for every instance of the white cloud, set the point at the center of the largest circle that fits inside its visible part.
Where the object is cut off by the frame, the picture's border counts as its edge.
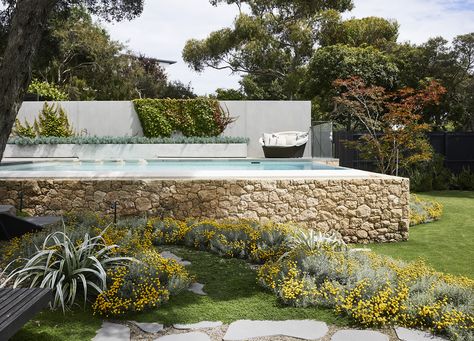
(165, 25)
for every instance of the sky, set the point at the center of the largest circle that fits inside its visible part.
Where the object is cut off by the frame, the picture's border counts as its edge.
(165, 25)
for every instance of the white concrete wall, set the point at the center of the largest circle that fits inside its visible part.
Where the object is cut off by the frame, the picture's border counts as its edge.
(118, 118)
(258, 117)
(94, 118)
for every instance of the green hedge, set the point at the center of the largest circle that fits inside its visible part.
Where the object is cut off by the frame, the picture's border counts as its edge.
(193, 117)
(125, 140)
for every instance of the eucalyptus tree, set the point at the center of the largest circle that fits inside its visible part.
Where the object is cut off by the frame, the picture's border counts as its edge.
(270, 42)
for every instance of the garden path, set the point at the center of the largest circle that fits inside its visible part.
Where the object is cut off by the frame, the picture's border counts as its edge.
(289, 330)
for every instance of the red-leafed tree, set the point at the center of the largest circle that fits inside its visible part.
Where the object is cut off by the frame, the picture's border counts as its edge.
(393, 135)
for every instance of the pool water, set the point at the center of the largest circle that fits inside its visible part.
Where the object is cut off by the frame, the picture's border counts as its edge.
(167, 165)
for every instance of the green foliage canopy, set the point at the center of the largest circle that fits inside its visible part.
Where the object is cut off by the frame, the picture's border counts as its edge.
(271, 44)
(340, 62)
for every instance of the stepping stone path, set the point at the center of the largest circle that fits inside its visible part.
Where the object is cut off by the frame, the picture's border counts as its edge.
(302, 329)
(194, 336)
(358, 335)
(148, 327)
(170, 255)
(248, 329)
(405, 334)
(112, 332)
(199, 325)
(197, 289)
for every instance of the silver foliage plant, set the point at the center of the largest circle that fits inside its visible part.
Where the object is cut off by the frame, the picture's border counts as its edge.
(71, 269)
(311, 240)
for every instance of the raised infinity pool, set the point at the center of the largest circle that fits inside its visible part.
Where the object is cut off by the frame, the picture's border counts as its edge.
(362, 206)
(245, 168)
(158, 165)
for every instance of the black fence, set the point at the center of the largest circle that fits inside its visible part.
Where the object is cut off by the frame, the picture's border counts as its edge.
(457, 149)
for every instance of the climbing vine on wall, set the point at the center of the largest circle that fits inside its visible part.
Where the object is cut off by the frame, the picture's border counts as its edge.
(191, 117)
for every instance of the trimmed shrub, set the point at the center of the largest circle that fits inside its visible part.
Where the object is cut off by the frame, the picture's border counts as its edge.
(192, 117)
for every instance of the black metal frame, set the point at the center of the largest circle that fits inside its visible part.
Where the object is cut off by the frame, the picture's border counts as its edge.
(284, 151)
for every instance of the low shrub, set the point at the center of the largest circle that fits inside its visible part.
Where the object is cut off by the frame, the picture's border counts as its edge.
(244, 239)
(432, 175)
(373, 290)
(142, 285)
(424, 211)
(464, 180)
(26, 141)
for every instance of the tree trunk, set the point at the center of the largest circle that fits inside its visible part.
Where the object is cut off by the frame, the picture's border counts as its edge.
(29, 20)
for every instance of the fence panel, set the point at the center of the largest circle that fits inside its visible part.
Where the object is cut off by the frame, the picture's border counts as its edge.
(321, 139)
(456, 147)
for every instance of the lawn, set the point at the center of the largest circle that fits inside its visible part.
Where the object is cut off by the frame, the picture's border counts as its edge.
(447, 244)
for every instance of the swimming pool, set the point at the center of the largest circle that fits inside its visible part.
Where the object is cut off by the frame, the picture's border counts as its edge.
(172, 168)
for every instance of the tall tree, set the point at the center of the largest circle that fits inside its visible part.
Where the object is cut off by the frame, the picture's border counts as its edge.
(25, 21)
(341, 62)
(271, 44)
(450, 64)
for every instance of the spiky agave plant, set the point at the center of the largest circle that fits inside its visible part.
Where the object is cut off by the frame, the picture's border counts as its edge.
(71, 269)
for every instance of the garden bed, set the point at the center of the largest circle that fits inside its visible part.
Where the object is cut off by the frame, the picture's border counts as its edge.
(127, 151)
(92, 148)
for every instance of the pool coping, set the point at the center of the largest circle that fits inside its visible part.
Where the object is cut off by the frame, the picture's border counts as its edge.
(320, 174)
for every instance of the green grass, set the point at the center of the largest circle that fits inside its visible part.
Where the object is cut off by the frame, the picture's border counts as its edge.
(54, 326)
(233, 293)
(447, 244)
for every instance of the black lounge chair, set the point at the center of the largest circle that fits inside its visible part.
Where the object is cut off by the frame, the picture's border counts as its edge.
(18, 306)
(12, 226)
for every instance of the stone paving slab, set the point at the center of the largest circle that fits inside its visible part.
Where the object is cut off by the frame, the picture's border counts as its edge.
(199, 325)
(194, 336)
(406, 334)
(112, 332)
(197, 288)
(302, 329)
(149, 327)
(171, 255)
(358, 335)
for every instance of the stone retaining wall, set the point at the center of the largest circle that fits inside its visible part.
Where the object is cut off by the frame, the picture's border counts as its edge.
(362, 210)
